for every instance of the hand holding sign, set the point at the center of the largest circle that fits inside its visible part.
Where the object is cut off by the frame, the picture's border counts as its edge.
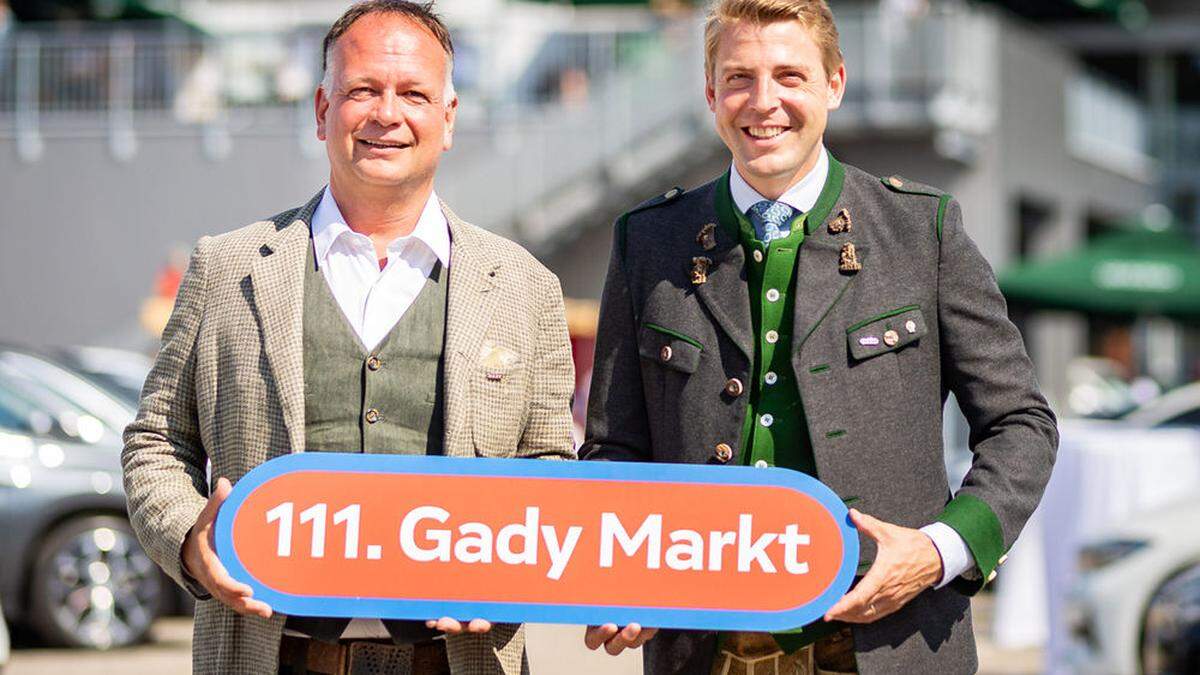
(907, 563)
(201, 562)
(617, 640)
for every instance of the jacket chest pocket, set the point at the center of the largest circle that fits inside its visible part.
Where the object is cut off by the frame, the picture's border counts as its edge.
(669, 348)
(498, 407)
(885, 333)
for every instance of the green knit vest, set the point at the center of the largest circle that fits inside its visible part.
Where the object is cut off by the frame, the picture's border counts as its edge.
(776, 431)
(387, 400)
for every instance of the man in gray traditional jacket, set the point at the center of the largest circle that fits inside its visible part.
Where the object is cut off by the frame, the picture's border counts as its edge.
(370, 319)
(798, 312)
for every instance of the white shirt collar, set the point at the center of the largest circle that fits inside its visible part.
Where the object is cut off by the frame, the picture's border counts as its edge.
(802, 196)
(432, 228)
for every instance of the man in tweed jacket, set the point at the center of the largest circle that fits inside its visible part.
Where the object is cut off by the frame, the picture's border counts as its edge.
(272, 317)
(797, 312)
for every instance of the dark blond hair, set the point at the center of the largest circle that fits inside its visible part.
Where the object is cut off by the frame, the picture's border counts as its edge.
(813, 14)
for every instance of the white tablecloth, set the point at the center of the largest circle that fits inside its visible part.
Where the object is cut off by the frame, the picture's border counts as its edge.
(1106, 473)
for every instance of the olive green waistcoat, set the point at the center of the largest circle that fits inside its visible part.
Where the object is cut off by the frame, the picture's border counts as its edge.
(388, 400)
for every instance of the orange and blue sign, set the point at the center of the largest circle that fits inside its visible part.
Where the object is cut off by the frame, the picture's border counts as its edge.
(666, 545)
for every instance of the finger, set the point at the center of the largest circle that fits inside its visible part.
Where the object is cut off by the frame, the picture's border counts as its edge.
(644, 637)
(853, 604)
(448, 625)
(251, 607)
(479, 626)
(623, 639)
(218, 578)
(595, 636)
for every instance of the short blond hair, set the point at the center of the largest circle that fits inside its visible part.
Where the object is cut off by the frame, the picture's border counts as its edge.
(815, 15)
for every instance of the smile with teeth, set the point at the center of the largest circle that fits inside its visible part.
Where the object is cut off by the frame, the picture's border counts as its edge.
(382, 144)
(765, 132)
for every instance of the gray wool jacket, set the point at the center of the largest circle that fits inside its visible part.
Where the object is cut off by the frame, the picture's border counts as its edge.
(874, 408)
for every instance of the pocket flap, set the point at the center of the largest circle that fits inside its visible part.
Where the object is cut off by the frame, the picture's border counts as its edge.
(885, 332)
(669, 348)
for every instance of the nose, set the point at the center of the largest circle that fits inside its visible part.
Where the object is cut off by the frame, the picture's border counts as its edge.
(763, 97)
(388, 110)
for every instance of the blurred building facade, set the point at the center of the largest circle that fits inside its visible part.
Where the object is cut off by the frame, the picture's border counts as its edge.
(122, 142)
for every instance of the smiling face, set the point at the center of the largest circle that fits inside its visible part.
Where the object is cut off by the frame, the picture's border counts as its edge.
(771, 96)
(385, 119)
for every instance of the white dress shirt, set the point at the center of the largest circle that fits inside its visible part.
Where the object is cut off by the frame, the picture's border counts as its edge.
(802, 196)
(956, 557)
(373, 300)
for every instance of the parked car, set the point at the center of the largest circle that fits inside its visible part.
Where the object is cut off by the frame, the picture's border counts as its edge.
(1177, 408)
(1136, 605)
(119, 371)
(70, 567)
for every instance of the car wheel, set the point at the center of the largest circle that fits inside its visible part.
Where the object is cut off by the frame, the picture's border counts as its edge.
(1171, 627)
(93, 585)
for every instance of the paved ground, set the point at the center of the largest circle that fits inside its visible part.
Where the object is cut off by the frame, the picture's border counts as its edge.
(549, 648)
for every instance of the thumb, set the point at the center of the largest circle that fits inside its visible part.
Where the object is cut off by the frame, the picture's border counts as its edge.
(867, 524)
(224, 487)
(219, 494)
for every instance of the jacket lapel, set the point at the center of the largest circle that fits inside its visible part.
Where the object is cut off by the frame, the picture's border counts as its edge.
(277, 280)
(724, 294)
(820, 282)
(469, 305)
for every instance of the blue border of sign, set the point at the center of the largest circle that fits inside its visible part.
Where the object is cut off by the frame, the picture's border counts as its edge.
(312, 605)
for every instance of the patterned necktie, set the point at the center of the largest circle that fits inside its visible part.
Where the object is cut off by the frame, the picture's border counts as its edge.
(771, 220)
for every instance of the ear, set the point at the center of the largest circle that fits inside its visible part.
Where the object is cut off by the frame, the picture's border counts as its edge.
(710, 92)
(837, 87)
(321, 108)
(451, 115)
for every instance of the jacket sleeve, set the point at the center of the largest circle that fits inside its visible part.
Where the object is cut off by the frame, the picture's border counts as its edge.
(617, 424)
(547, 433)
(1014, 436)
(164, 460)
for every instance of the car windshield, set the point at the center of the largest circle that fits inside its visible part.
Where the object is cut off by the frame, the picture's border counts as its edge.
(41, 407)
(65, 387)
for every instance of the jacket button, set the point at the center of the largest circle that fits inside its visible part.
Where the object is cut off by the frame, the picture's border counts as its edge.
(724, 453)
(373, 363)
(734, 387)
(665, 353)
(372, 416)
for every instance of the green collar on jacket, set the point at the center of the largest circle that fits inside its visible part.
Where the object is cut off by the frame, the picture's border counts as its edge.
(735, 222)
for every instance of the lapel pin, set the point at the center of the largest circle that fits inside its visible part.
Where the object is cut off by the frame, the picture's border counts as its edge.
(700, 270)
(707, 237)
(869, 341)
(848, 259)
(890, 338)
(910, 326)
(841, 223)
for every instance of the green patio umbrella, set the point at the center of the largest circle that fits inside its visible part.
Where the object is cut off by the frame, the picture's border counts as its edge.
(1134, 271)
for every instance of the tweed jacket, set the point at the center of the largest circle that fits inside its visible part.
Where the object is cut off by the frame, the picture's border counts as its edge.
(874, 406)
(228, 388)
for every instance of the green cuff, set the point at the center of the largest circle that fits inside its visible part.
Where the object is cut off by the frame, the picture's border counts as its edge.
(979, 527)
